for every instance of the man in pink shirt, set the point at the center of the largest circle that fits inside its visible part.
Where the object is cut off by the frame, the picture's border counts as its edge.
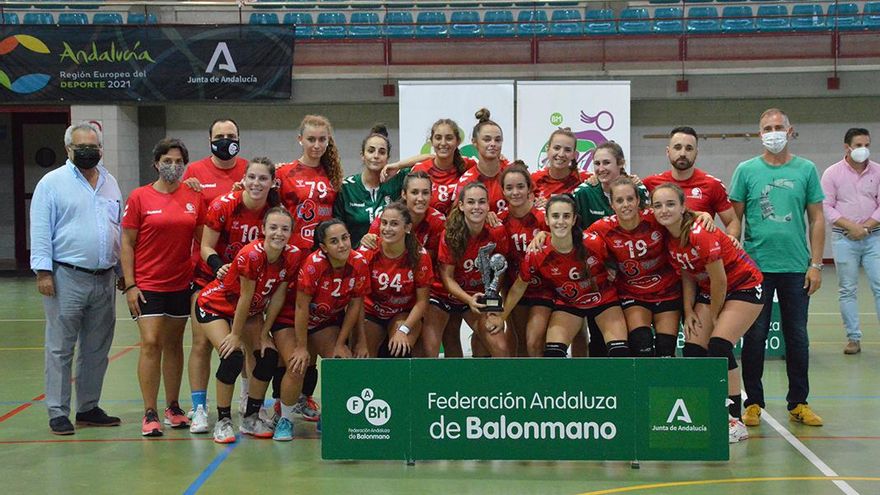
(852, 207)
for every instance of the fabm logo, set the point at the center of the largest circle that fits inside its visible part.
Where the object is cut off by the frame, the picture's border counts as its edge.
(587, 139)
(28, 83)
(376, 411)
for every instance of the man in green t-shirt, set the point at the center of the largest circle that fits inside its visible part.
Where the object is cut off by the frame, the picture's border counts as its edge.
(774, 190)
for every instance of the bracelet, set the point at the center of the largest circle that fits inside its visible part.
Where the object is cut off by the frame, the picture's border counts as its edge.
(132, 286)
(817, 266)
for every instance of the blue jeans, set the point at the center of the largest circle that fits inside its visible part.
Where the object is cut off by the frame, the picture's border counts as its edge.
(793, 305)
(849, 255)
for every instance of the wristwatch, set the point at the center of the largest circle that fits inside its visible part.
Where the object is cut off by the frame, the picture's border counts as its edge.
(817, 266)
(404, 329)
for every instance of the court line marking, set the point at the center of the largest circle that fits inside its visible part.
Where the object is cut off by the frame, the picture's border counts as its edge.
(672, 484)
(43, 396)
(208, 471)
(806, 452)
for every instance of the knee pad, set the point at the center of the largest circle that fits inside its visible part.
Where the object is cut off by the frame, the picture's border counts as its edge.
(265, 364)
(665, 345)
(618, 348)
(719, 347)
(555, 350)
(641, 342)
(693, 350)
(230, 368)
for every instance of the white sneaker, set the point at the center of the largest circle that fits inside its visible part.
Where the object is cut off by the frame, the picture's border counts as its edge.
(736, 431)
(199, 422)
(223, 431)
(254, 426)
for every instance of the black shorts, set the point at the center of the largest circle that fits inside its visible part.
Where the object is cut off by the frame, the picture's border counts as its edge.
(278, 325)
(753, 295)
(195, 288)
(170, 304)
(536, 301)
(589, 312)
(382, 322)
(205, 316)
(447, 306)
(654, 307)
(335, 322)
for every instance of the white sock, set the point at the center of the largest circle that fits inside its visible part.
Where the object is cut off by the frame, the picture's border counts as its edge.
(244, 386)
(286, 411)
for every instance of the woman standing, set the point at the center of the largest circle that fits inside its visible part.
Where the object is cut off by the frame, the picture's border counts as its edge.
(721, 288)
(571, 267)
(561, 174)
(522, 221)
(649, 288)
(231, 313)
(400, 278)
(487, 138)
(158, 225)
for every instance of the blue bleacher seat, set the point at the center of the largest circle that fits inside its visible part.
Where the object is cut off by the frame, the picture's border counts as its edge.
(72, 18)
(116, 18)
(465, 23)
(634, 21)
(532, 22)
(668, 20)
(737, 19)
(600, 21)
(807, 18)
(566, 22)
(773, 18)
(703, 20)
(871, 15)
(141, 18)
(305, 25)
(260, 18)
(39, 18)
(498, 23)
(399, 25)
(431, 24)
(330, 25)
(364, 25)
(844, 17)
(10, 18)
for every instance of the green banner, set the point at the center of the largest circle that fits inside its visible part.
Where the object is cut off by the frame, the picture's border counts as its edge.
(525, 409)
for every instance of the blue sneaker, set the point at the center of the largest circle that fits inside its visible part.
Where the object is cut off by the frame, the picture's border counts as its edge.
(283, 431)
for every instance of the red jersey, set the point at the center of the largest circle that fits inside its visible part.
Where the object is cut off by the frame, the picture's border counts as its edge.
(466, 274)
(443, 183)
(546, 186)
(565, 277)
(702, 192)
(493, 185)
(521, 231)
(215, 183)
(237, 226)
(427, 232)
(165, 225)
(332, 288)
(643, 269)
(703, 248)
(393, 283)
(221, 296)
(309, 195)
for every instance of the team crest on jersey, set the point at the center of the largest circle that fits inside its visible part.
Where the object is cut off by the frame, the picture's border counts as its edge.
(190, 208)
(617, 243)
(696, 193)
(592, 260)
(656, 236)
(554, 270)
(694, 251)
(282, 274)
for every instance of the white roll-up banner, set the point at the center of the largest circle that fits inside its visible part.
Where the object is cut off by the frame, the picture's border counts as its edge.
(424, 102)
(596, 111)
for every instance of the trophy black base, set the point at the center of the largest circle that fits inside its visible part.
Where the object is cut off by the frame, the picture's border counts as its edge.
(493, 304)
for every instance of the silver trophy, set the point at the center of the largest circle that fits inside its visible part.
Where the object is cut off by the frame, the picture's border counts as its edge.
(491, 269)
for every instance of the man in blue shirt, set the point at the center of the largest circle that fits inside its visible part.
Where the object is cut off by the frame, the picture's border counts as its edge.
(75, 238)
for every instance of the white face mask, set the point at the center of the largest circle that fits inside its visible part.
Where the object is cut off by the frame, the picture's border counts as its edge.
(860, 155)
(774, 141)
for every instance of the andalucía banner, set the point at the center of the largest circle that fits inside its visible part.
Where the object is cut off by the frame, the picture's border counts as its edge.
(144, 63)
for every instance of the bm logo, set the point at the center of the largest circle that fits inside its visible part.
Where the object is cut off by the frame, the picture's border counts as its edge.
(376, 411)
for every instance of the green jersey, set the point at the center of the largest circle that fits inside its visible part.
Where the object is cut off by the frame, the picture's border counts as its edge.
(775, 199)
(592, 203)
(358, 206)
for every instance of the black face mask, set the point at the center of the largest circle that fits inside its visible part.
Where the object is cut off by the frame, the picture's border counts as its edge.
(86, 158)
(224, 149)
